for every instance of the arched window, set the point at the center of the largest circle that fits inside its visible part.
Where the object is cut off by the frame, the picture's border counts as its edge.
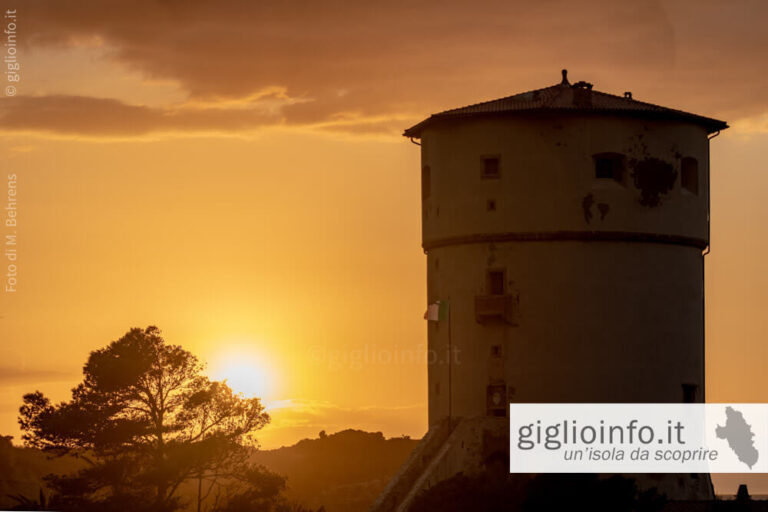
(689, 175)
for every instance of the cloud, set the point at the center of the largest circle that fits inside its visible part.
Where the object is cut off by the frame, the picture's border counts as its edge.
(108, 117)
(402, 59)
(14, 376)
(103, 117)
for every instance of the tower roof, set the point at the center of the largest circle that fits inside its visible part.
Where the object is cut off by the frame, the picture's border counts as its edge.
(567, 98)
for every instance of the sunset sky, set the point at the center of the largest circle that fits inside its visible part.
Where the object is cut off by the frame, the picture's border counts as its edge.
(233, 172)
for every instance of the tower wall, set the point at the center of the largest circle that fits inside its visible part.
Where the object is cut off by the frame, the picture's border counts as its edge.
(602, 278)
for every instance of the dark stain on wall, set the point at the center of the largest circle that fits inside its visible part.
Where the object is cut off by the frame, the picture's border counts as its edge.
(654, 178)
(603, 208)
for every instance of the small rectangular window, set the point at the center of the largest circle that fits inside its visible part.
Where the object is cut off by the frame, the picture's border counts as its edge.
(426, 182)
(609, 166)
(491, 167)
(689, 175)
(495, 282)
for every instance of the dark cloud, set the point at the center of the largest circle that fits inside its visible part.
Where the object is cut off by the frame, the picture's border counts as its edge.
(411, 58)
(14, 375)
(107, 117)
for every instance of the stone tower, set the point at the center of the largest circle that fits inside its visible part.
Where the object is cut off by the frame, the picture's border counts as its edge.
(565, 229)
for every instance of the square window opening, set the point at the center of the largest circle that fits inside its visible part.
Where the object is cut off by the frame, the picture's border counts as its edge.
(609, 166)
(495, 282)
(491, 167)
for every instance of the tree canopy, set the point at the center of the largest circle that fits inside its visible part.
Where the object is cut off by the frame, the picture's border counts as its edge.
(147, 419)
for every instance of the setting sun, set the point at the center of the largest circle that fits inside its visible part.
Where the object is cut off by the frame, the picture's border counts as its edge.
(244, 370)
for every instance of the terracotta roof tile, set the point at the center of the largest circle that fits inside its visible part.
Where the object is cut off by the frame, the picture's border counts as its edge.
(568, 98)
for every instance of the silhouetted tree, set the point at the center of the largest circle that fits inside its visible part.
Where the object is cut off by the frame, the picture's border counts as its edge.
(146, 420)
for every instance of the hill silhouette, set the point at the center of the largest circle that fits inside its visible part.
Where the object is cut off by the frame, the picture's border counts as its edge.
(344, 471)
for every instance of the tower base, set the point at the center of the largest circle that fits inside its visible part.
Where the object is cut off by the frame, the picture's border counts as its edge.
(474, 445)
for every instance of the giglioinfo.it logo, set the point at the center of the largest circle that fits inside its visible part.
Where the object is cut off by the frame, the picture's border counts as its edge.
(638, 438)
(740, 437)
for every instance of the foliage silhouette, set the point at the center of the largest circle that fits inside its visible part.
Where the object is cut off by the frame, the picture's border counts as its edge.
(146, 420)
(25, 503)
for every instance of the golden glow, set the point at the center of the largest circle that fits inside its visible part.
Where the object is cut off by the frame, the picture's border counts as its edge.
(274, 251)
(245, 371)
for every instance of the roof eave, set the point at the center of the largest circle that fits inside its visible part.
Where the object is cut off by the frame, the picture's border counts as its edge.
(414, 132)
(712, 125)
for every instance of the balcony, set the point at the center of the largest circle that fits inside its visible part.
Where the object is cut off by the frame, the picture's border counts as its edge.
(496, 308)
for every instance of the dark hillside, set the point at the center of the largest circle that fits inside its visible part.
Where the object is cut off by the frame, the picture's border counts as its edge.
(344, 471)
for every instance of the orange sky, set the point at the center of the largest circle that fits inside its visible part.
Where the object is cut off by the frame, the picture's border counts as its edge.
(233, 173)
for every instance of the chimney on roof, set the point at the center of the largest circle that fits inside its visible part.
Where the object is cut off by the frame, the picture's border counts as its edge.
(582, 94)
(565, 77)
(628, 95)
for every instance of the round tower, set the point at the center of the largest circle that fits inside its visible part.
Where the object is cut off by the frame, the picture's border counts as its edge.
(565, 231)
